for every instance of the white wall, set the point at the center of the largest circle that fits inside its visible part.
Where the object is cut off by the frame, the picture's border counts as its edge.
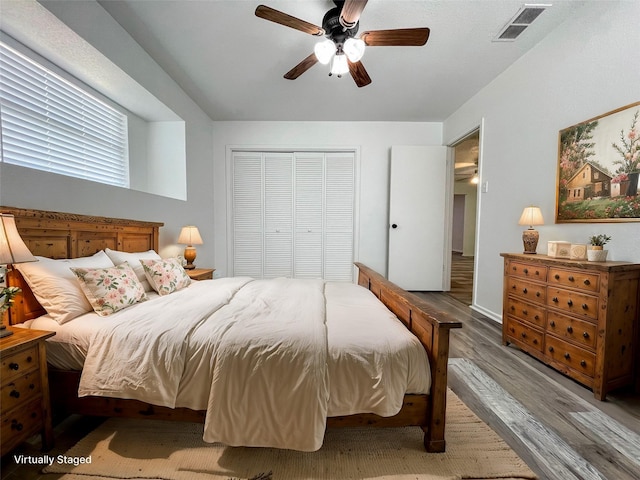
(26, 188)
(374, 139)
(587, 67)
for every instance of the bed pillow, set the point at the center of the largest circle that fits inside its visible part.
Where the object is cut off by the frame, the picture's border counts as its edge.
(165, 276)
(110, 289)
(56, 287)
(133, 259)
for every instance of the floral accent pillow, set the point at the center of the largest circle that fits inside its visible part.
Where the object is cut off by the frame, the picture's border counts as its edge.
(165, 276)
(110, 289)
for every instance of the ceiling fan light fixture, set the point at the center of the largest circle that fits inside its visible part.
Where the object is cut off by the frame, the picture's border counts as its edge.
(339, 66)
(324, 51)
(354, 49)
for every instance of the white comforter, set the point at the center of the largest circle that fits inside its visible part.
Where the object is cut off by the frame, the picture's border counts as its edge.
(268, 359)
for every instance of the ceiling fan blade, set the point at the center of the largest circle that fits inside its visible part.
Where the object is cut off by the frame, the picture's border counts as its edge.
(359, 74)
(277, 16)
(302, 67)
(351, 11)
(403, 37)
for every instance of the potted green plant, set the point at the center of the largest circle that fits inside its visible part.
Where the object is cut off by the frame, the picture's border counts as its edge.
(596, 251)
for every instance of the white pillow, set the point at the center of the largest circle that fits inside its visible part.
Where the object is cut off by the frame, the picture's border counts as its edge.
(110, 289)
(56, 287)
(133, 259)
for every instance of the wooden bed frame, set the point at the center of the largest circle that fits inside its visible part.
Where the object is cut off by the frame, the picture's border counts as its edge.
(64, 235)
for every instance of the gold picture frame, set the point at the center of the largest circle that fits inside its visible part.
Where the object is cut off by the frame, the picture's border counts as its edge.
(598, 169)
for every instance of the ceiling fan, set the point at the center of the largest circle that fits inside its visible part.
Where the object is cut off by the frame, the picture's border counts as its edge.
(342, 48)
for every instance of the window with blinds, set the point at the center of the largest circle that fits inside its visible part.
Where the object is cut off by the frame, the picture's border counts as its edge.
(50, 124)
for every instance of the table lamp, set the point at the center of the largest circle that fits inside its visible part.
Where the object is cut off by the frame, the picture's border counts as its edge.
(531, 216)
(12, 250)
(190, 236)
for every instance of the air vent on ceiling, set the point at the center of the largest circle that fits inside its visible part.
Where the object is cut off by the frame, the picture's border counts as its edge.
(520, 21)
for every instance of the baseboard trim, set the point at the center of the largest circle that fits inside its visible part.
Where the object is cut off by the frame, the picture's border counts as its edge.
(496, 317)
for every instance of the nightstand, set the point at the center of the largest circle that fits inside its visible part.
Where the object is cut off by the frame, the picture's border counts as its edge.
(26, 408)
(201, 273)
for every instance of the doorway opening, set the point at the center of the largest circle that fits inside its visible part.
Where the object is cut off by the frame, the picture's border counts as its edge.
(464, 214)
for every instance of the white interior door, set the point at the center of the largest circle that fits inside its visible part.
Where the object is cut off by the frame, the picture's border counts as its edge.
(417, 207)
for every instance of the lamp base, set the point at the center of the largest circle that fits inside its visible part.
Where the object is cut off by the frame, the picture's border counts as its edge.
(530, 240)
(4, 332)
(190, 256)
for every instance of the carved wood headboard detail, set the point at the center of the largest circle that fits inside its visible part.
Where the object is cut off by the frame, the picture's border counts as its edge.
(69, 235)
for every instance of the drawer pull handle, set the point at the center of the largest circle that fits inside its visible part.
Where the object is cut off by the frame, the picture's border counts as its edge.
(14, 394)
(537, 317)
(524, 335)
(14, 366)
(29, 359)
(585, 306)
(570, 278)
(570, 303)
(555, 299)
(553, 324)
(524, 312)
(551, 349)
(537, 294)
(583, 363)
(535, 341)
(556, 276)
(585, 334)
(567, 356)
(587, 282)
(526, 271)
(524, 290)
(570, 329)
(513, 308)
(16, 426)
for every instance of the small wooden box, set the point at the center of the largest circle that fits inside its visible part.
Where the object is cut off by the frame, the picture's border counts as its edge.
(557, 249)
(578, 251)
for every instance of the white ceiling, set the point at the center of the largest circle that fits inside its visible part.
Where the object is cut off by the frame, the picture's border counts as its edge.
(232, 63)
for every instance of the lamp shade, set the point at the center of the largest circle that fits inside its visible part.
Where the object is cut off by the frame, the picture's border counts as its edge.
(12, 248)
(190, 236)
(531, 216)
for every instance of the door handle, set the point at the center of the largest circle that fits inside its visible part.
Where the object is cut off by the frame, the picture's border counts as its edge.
(393, 225)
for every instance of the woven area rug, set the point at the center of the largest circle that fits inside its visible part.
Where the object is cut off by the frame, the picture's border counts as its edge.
(149, 449)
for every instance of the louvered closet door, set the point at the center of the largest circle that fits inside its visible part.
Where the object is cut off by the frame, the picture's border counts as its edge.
(248, 214)
(309, 214)
(278, 215)
(339, 207)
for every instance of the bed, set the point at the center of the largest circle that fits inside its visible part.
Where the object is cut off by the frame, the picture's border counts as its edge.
(57, 235)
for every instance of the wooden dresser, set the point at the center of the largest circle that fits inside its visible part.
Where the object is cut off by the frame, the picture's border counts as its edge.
(25, 388)
(581, 318)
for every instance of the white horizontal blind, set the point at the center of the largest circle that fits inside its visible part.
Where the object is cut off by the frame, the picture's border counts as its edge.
(50, 124)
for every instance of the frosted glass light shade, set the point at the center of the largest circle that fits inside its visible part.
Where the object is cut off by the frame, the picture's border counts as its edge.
(339, 66)
(12, 248)
(354, 49)
(324, 51)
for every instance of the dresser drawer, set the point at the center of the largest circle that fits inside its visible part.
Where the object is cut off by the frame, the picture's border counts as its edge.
(19, 363)
(527, 270)
(20, 390)
(519, 332)
(577, 303)
(573, 278)
(21, 423)
(527, 290)
(573, 357)
(569, 328)
(527, 312)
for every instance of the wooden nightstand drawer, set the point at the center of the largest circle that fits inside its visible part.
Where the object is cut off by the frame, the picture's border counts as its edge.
(526, 270)
(579, 304)
(21, 423)
(20, 390)
(19, 363)
(527, 312)
(575, 279)
(569, 328)
(571, 356)
(527, 290)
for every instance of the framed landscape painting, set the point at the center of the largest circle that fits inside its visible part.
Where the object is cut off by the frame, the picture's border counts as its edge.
(598, 169)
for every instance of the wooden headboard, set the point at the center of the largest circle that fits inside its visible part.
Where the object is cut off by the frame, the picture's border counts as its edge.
(68, 235)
